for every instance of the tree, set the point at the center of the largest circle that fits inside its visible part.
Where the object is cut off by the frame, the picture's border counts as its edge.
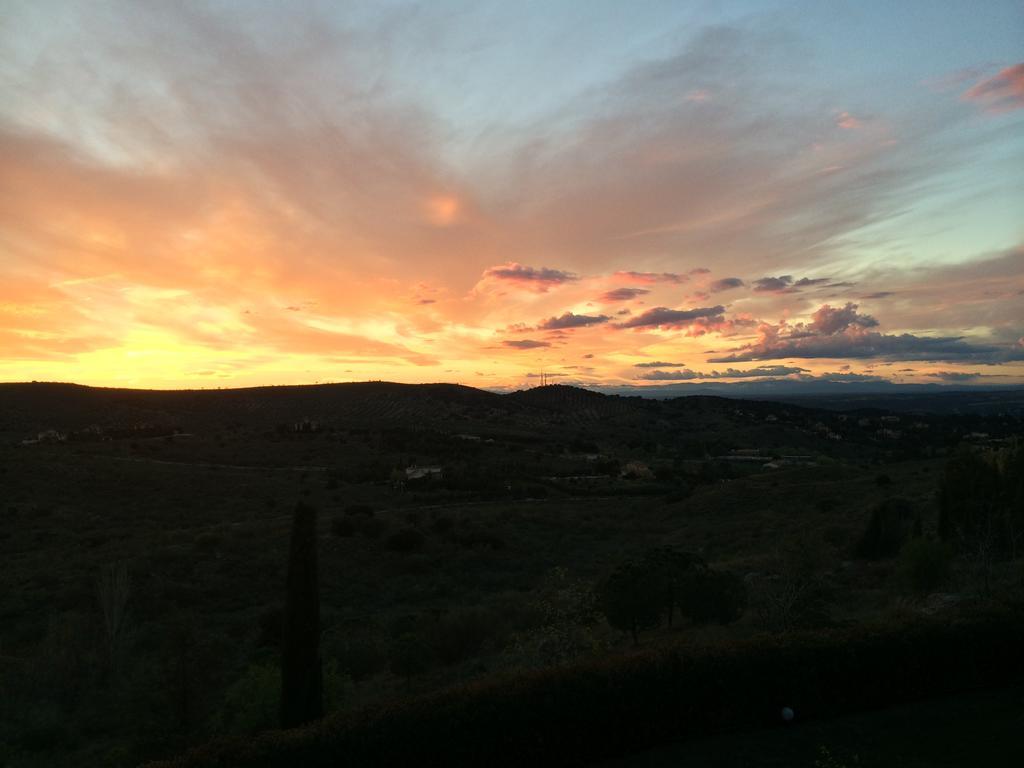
(796, 593)
(112, 590)
(891, 524)
(968, 497)
(925, 564)
(301, 669)
(981, 504)
(708, 595)
(410, 656)
(630, 598)
(670, 569)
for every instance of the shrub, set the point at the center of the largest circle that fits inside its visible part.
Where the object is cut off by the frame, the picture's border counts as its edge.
(670, 569)
(362, 658)
(708, 595)
(599, 710)
(404, 625)
(891, 524)
(406, 540)
(795, 595)
(459, 636)
(372, 527)
(252, 702)
(208, 542)
(926, 564)
(441, 525)
(981, 502)
(473, 539)
(631, 598)
(271, 626)
(567, 610)
(359, 510)
(342, 526)
(410, 656)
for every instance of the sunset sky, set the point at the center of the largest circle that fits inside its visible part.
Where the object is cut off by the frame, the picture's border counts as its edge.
(238, 193)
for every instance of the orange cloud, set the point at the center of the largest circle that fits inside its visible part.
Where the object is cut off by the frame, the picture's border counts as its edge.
(161, 228)
(1003, 92)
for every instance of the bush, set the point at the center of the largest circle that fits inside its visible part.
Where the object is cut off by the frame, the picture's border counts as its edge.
(362, 658)
(441, 525)
(671, 569)
(252, 703)
(359, 510)
(710, 595)
(271, 627)
(208, 542)
(372, 527)
(891, 524)
(410, 656)
(459, 636)
(796, 594)
(631, 598)
(342, 526)
(981, 502)
(473, 539)
(406, 540)
(926, 564)
(598, 710)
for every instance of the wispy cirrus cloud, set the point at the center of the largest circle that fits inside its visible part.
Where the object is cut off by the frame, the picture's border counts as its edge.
(173, 176)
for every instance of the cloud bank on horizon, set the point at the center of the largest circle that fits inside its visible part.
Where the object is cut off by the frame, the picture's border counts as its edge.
(204, 194)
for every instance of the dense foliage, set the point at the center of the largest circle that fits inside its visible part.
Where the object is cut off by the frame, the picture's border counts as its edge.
(600, 709)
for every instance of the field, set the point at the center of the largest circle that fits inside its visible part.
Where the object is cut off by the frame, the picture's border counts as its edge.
(424, 583)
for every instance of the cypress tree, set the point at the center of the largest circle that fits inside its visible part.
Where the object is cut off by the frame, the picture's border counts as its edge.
(301, 671)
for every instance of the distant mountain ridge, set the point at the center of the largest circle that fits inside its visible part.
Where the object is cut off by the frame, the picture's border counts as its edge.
(38, 405)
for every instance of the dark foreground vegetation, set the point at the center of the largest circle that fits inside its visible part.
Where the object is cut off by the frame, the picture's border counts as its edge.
(586, 712)
(454, 575)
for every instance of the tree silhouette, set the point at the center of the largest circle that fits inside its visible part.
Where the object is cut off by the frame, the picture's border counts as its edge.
(630, 598)
(670, 569)
(981, 502)
(301, 670)
(891, 525)
(708, 595)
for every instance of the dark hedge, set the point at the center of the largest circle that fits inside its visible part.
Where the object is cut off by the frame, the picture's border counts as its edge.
(576, 714)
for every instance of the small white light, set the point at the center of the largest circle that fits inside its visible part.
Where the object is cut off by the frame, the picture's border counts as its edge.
(787, 714)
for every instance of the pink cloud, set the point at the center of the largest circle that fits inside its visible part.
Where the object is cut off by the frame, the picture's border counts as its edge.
(1003, 92)
(848, 122)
